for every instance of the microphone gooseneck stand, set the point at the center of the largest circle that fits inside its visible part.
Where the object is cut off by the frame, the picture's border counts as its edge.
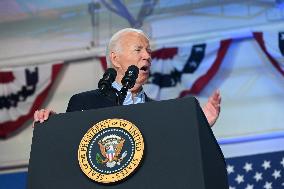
(121, 95)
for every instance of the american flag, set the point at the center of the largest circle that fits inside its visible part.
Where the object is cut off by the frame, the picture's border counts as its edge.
(261, 171)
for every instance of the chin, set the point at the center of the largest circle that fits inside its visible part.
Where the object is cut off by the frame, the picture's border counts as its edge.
(142, 80)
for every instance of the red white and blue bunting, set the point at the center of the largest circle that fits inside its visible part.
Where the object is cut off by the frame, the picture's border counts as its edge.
(175, 72)
(272, 43)
(22, 91)
(183, 70)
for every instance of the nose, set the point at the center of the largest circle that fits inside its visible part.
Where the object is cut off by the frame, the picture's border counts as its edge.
(147, 55)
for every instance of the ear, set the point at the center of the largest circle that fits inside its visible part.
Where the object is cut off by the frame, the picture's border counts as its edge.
(114, 59)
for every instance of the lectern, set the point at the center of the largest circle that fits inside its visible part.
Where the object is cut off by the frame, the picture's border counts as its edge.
(180, 150)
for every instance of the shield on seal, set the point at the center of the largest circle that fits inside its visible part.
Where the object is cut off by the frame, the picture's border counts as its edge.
(110, 153)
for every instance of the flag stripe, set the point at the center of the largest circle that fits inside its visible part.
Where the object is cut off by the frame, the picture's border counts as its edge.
(259, 38)
(203, 80)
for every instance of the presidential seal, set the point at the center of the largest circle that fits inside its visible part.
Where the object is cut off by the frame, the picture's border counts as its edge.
(111, 150)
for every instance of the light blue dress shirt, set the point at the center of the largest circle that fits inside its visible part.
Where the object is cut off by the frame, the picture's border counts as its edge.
(139, 98)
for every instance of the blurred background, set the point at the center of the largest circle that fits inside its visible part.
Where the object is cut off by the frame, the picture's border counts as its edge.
(50, 50)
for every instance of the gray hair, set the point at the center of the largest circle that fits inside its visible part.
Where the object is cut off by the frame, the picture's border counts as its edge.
(114, 43)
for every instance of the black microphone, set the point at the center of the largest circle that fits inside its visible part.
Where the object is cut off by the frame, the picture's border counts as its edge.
(128, 81)
(130, 77)
(105, 83)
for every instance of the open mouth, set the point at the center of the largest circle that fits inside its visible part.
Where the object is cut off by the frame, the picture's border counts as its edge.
(144, 68)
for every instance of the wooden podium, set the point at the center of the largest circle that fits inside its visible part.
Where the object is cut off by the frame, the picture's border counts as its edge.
(180, 149)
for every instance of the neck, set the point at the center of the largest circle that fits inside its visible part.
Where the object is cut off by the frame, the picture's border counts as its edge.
(118, 79)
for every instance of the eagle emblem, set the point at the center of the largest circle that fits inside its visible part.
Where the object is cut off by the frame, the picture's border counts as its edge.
(111, 150)
(111, 147)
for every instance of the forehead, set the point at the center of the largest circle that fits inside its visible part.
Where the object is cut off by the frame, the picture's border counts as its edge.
(134, 39)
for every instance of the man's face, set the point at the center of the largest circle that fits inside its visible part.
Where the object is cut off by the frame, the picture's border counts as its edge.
(134, 50)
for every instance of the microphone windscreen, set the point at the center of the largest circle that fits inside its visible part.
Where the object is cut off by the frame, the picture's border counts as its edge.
(111, 74)
(130, 76)
(105, 83)
(133, 69)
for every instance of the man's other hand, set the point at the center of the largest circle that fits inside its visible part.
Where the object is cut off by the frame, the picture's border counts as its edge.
(42, 115)
(212, 108)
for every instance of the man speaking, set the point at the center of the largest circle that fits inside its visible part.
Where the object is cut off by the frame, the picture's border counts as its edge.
(127, 47)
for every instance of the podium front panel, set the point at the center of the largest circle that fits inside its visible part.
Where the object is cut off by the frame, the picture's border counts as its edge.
(172, 155)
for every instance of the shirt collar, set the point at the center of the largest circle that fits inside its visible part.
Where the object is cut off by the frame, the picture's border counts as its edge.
(139, 98)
